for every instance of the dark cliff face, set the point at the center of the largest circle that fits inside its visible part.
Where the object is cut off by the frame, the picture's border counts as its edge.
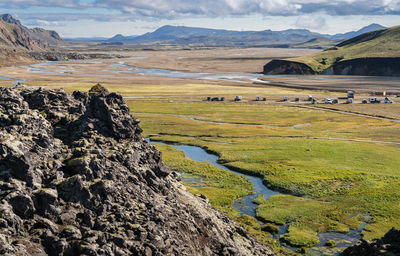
(359, 67)
(275, 67)
(76, 177)
(366, 67)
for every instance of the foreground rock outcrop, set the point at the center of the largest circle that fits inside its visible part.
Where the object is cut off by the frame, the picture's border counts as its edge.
(76, 178)
(387, 245)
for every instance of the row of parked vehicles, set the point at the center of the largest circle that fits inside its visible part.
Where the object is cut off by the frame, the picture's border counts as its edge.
(377, 101)
(349, 100)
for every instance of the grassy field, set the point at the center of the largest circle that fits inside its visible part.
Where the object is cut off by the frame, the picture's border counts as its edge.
(220, 186)
(299, 151)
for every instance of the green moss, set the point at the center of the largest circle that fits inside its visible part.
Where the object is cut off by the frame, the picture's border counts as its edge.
(301, 237)
(330, 243)
(43, 113)
(260, 200)
(75, 162)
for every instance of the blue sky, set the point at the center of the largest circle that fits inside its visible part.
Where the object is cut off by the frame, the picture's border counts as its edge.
(88, 18)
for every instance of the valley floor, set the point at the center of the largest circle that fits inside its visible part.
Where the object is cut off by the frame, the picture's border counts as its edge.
(338, 165)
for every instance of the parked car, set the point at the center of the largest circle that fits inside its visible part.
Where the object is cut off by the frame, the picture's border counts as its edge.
(374, 100)
(285, 98)
(387, 101)
(238, 98)
(349, 101)
(297, 99)
(364, 101)
(328, 101)
(335, 101)
(314, 101)
(310, 98)
(264, 99)
(258, 98)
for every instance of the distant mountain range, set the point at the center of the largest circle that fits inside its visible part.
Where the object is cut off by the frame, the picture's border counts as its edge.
(369, 28)
(181, 35)
(16, 36)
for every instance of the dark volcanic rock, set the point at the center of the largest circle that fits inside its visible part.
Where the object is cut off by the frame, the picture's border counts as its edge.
(359, 67)
(387, 245)
(366, 67)
(76, 177)
(287, 67)
(63, 56)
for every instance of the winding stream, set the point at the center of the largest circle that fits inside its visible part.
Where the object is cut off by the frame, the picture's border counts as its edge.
(123, 68)
(246, 206)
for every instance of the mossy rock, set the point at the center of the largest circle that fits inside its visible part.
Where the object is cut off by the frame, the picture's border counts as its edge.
(301, 237)
(330, 243)
(260, 200)
(98, 89)
(75, 162)
(270, 228)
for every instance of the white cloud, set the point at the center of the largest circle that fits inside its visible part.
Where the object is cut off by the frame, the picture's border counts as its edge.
(312, 22)
(47, 23)
(173, 9)
(245, 7)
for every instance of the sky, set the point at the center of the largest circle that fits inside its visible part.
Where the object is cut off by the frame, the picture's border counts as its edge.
(106, 18)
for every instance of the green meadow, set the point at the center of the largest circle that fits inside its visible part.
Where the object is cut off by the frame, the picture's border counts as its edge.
(333, 173)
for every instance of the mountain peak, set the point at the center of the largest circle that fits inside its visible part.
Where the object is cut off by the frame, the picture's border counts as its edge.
(9, 19)
(371, 27)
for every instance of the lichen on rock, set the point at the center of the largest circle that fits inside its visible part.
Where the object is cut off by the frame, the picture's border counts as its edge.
(77, 178)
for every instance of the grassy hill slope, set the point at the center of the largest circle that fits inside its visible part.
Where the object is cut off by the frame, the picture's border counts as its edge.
(384, 43)
(380, 43)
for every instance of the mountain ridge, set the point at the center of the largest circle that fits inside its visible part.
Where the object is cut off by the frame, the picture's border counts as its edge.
(181, 35)
(13, 34)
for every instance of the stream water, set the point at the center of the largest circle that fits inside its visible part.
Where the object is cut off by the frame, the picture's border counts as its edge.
(67, 68)
(246, 206)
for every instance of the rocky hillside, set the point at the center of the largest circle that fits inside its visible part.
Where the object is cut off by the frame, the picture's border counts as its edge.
(13, 34)
(372, 53)
(77, 178)
(387, 245)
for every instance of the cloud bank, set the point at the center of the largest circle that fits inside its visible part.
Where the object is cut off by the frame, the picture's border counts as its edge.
(221, 8)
